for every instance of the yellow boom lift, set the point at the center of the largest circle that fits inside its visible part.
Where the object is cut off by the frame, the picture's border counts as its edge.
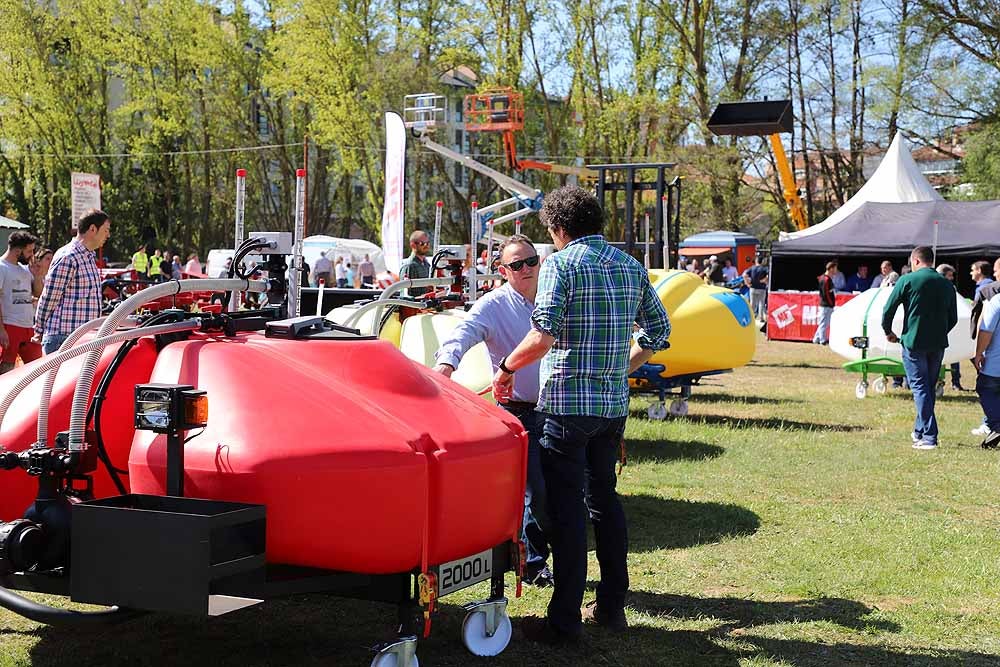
(770, 119)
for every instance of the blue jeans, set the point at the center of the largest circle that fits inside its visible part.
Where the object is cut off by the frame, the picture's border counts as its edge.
(988, 388)
(922, 370)
(52, 342)
(578, 462)
(535, 518)
(823, 330)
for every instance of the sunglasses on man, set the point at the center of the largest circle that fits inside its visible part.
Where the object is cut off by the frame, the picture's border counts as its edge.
(518, 264)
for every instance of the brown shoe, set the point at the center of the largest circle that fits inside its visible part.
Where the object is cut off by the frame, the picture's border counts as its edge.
(537, 629)
(611, 619)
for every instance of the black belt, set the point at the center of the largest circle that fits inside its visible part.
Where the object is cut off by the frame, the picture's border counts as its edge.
(518, 406)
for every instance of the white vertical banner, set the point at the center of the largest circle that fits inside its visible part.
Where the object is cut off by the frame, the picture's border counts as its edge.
(392, 213)
(85, 194)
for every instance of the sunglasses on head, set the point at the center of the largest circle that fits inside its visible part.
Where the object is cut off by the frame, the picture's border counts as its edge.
(518, 264)
(422, 242)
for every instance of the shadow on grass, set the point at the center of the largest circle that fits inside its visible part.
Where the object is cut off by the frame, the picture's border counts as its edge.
(798, 364)
(741, 613)
(319, 630)
(718, 397)
(814, 654)
(775, 423)
(640, 450)
(661, 523)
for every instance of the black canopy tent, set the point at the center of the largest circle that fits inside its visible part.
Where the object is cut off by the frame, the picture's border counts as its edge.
(966, 232)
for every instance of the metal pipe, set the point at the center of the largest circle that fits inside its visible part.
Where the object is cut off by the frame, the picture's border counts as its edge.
(241, 195)
(499, 205)
(515, 215)
(319, 297)
(438, 211)
(474, 240)
(294, 291)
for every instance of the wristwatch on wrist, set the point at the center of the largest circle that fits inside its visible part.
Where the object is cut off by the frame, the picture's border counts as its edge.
(503, 366)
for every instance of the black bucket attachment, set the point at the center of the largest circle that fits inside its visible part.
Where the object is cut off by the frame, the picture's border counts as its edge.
(750, 119)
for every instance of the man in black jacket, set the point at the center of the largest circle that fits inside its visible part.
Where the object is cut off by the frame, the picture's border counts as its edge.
(827, 302)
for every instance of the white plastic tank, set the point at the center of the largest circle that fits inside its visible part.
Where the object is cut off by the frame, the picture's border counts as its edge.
(848, 321)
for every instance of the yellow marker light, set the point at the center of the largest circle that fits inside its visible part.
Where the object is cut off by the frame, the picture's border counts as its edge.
(195, 409)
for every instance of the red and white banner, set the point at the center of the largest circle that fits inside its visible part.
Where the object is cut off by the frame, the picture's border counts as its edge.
(85, 194)
(392, 213)
(795, 315)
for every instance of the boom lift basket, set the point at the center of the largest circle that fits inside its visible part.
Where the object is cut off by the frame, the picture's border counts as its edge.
(495, 110)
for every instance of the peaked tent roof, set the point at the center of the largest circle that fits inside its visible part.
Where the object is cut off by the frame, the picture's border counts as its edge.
(965, 228)
(7, 223)
(898, 179)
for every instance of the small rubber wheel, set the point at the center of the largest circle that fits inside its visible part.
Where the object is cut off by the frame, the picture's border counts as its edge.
(679, 408)
(861, 389)
(657, 411)
(474, 634)
(389, 660)
(879, 385)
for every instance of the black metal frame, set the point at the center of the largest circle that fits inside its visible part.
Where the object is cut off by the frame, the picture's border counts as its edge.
(220, 547)
(666, 228)
(274, 581)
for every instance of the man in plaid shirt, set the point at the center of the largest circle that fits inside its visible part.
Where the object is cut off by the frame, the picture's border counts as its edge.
(72, 292)
(590, 296)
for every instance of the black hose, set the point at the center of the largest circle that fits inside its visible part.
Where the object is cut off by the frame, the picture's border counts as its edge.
(41, 613)
(242, 251)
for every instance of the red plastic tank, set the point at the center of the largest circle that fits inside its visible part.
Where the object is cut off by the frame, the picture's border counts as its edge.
(366, 461)
(18, 490)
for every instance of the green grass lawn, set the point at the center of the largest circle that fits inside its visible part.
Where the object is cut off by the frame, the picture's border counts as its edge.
(782, 522)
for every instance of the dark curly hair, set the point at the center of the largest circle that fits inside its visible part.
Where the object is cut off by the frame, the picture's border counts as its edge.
(573, 210)
(22, 240)
(92, 218)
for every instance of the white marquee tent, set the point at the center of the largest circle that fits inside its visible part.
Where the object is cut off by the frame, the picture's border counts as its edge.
(897, 180)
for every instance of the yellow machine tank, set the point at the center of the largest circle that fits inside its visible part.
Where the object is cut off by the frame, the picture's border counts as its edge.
(712, 331)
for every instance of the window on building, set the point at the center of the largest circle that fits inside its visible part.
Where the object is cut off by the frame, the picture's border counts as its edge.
(458, 139)
(458, 110)
(459, 175)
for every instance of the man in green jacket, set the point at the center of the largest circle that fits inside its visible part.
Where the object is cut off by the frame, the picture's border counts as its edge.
(930, 311)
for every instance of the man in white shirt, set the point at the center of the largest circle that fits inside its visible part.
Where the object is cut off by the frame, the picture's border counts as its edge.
(322, 269)
(501, 319)
(340, 272)
(21, 281)
(729, 272)
(193, 266)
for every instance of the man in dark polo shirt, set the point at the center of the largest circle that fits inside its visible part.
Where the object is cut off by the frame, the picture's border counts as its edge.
(416, 265)
(930, 311)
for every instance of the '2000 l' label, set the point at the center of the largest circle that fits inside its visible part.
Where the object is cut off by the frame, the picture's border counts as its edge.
(458, 574)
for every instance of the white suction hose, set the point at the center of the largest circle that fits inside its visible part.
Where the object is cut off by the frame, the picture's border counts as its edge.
(81, 396)
(50, 379)
(53, 361)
